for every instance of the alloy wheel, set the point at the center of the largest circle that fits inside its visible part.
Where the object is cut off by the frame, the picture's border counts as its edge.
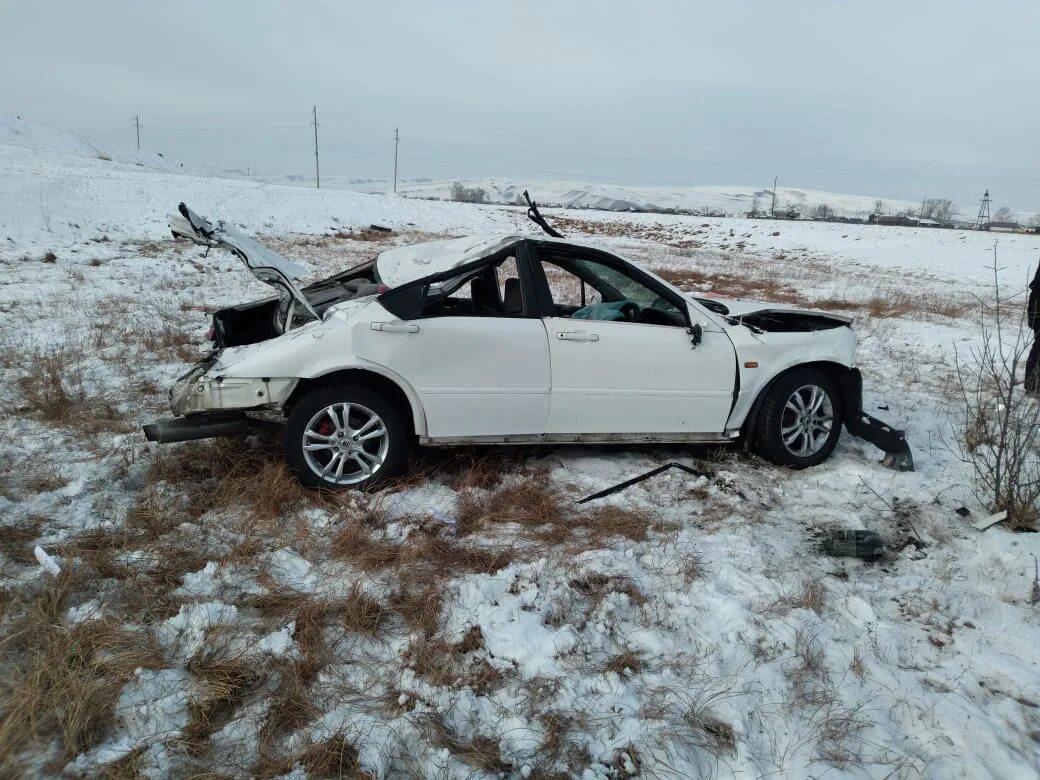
(345, 443)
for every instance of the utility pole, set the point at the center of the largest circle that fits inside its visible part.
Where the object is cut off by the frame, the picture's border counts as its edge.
(772, 208)
(137, 124)
(317, 171)
(397, 140)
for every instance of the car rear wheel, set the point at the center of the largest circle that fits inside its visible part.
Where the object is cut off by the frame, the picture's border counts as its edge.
(345, 436)
(800, 420)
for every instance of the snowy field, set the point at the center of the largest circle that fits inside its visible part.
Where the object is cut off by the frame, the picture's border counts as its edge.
(732, 200)
(475, 621)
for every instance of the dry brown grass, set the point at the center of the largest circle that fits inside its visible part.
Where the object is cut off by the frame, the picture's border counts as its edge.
(364, 234)
(334, 756)
(229, 473)
(360, 613)
(625, 663)
(454, 664)
(421, 554)
(50, 257)
(16, 541)
(169, 342)
(61, 681)
(226, 683)
(53, 388)
(531, 502)
(884, 303)
(419, 604)
(547, 516)
(811, 594)
(480, 751)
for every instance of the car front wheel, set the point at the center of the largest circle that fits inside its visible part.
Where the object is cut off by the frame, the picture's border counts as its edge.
(345, 437)
(800, 419)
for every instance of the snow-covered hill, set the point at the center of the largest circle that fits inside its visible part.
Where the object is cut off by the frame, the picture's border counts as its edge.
(57, 187)
(732, 200)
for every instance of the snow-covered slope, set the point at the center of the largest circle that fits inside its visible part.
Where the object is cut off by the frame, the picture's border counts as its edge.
(57, 187)
(732, 200)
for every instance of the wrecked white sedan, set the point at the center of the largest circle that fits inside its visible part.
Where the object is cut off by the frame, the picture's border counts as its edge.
(510, 339)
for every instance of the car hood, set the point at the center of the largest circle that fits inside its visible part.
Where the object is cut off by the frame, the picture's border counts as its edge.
(409, 263)
(737, 307)
(265, 264)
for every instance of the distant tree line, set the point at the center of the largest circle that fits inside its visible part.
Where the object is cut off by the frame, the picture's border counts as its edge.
(464, 194)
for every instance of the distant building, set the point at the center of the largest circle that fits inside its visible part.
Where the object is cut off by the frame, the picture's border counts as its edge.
(1002, 227)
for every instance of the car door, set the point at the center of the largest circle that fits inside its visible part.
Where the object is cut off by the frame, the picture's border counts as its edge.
(623, 376)
(478, 362)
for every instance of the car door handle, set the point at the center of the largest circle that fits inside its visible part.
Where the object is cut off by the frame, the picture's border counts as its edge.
(395, 327)
(577, 335)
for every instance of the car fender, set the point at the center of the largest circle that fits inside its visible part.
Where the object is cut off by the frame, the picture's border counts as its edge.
(764, 358)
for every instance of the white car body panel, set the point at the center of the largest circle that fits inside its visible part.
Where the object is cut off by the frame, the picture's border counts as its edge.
(474, 376)
(623, 377)
(776, 353)
(405, 264)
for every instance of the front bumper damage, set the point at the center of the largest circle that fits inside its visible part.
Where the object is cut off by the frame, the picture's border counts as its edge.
(891, 441)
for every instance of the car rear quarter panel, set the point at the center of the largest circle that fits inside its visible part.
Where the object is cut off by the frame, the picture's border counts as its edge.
(318, 350)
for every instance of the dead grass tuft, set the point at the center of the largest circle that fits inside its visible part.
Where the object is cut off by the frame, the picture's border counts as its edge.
(480, 752)
(334, 756)
(226, 683)
(454, 663)
(290, 709)
(227, 473)
(810, 595)
(16, 541)
(480, 472)
(419, 604)
(531, 502)
(421, 554)
(361, 613)
(50, 257)
(886, 302)
(54, 389)
(61, 681)
(625, 663)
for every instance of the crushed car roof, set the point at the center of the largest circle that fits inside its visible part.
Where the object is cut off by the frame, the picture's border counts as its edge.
(407, 263)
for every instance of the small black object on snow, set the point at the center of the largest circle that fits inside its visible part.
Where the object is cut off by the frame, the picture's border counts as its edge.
(381, 228)
(652, 473)
(854, 544)
(963, 511)
(883, 407)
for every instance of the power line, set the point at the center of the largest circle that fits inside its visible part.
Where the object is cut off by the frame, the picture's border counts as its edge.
(317, 172)
(397, 140)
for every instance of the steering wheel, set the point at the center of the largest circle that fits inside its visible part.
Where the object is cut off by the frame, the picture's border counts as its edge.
(630, 311)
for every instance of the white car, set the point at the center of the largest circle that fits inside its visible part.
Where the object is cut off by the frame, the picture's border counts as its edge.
(510, 339)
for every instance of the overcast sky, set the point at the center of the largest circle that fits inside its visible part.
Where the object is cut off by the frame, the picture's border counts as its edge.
(897, 99)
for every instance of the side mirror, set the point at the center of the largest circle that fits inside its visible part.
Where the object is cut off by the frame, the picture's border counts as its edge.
(696, 334)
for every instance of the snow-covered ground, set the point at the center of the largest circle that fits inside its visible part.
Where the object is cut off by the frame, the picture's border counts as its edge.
(475, 621)
(731, 200)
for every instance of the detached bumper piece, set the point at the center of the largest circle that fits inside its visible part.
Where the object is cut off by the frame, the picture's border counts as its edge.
(882, 435)
(199, 426)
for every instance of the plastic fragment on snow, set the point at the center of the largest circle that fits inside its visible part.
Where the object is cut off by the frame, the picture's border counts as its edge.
(652, 473)
(854, 544)
(986, 522)
(46, 561)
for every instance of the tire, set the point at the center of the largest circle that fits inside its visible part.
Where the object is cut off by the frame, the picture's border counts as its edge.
(787, 432)
(359, 461)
